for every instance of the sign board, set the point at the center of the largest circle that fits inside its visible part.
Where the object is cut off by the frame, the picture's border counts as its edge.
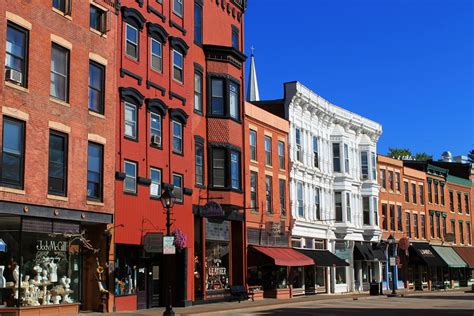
(212, 209)
(393, 261)
(153, 242)
(168, 245)
(219, 231)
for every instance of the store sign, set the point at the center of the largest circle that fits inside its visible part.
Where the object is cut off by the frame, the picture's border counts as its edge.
(217, 230)
(153, 242)
(168, 245)
(273, 229)
(51, 245)
(212, 209)
(217, 271)
(426, 253)
(392, 261)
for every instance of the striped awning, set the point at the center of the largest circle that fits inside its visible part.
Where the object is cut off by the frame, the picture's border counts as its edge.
(450, 257)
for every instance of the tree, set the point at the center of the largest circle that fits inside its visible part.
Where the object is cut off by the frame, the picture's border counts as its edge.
(423, 157)
(470, 156)
(399, 153)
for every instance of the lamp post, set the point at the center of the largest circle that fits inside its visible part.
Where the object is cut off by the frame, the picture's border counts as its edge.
(391, 244)
(167, 200)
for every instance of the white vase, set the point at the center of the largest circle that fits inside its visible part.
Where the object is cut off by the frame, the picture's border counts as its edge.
(2, 278)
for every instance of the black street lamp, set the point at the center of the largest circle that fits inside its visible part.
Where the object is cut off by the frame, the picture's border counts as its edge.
(167, 200)
(391, 245)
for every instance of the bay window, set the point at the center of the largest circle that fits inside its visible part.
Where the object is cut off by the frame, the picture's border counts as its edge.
(225, 162)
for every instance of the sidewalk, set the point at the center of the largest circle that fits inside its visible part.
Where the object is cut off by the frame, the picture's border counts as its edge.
(244, 306)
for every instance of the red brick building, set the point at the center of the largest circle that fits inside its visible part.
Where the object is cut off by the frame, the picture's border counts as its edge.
(57, 121)
(179, 123)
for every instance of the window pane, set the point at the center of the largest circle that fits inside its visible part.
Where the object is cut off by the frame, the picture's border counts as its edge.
(155, 186)
(177, 59)
(234, 100)
(199, 164)
(130, 120)
(197, 23)
(130, 178)
(57, 164)
(217, 96)
(156, 55)
(218, 165)
(178, 7)
(178, 187)
(132, 34)
(235, 169)
(94, 171)
(177, 137)
(155, 124)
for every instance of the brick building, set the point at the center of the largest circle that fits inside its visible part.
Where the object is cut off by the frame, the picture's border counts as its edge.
(57, 144)
(179, 124)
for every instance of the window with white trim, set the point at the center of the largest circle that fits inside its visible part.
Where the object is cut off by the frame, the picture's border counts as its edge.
(130, 120)
(131, 41)
(130, 181)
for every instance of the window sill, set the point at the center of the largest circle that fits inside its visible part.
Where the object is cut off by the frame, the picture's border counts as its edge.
(57, 197)
(102, 116)
(178, 153)
(12, 190)
(15, 86)
(88, 202)
(131, 138)
(101, 34)
(61, 13)
(156, 146)
(131, 58)
(53, 99)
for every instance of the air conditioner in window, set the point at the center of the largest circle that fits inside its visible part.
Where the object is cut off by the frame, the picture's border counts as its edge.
(13, 76)
(156, 140)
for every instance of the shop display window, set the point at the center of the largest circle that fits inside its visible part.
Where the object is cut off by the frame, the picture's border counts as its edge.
(268, 277)
(127, 270)
(297, 277)
(340, 275)
(9, 258)
(217, 255)
(320, 277)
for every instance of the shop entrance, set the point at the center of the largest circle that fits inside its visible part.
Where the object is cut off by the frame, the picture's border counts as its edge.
(154, 286)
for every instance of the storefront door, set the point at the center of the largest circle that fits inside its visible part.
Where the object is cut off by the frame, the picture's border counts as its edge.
(141, 287)
(309, 280)
(154, 286)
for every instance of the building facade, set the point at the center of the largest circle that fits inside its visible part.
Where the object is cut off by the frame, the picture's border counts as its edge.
(179, 125)
(57, 145)
(333, 188)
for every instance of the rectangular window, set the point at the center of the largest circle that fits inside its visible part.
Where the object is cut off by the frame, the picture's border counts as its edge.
(390, 180)
(407, 194)
(315, 152)
(348, 207)
(130, 120)
(268, 150)
(130, 182)
(57, 167)
(466, 203)
(299, 155)
(218, 167)
(397, 181)
(346, 158)
(432, 227)
(96, 87)
(366, 210)
(422, 194)
(178, 187)
(438, 225)
(156, 55)
(59, 88)
(98, 19)
(281, 155)
(197, 23)
(131, 41)
(336, 157)
(459, 203)
(177, 137)
(408, 224)
(235, 38)
(95, 156)
(155, 129)
(444, 226)
(384, 216)
(413, 192)
(461, 233)
(155, 186)
(199, 160)
(415, 225)
(436, 192)
(399, 218)
(268, 194)
(453, 229)
(383, 180)
(178, 66)
(253, 190)
(16, 53)
(62, 5)
(317, 203)
(234, 99)
(253, 145)
(178, 7)
(198, 91)
(469, 232)
(13, 153)
(423, 226)
(364, 161)
(338, 205)
(299, 196)
(392, 217)
(282, 189)
(451, 201)
(235, 169)
(441, 191)
(375, 206)
(374, 167)
(430, 192)
(217, 97)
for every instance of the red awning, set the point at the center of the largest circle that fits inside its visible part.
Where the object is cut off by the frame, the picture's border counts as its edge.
(286, 257)
(467, 254)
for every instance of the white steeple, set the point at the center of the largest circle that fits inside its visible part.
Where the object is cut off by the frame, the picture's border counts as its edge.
(252, 88)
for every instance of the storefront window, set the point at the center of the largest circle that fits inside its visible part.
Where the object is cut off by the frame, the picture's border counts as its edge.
(9, 258)
(126, 270)
(320, 277)
(340, 275)
(217, 254)
(297, 276)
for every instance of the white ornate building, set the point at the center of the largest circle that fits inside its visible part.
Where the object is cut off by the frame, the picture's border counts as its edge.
(333, 185)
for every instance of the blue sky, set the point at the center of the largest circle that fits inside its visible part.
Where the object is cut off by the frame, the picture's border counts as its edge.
(407, 64)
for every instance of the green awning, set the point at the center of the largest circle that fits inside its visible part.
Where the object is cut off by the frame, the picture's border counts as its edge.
(450, 256)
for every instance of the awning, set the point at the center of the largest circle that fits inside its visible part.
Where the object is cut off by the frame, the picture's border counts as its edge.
(467, 254)
(428, 254)
(324, 258)
(450, 257)
(379, 254)
(3, 246)
(286, 257)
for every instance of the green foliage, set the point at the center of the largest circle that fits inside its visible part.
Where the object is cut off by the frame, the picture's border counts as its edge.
(423, 156)
(399, 153)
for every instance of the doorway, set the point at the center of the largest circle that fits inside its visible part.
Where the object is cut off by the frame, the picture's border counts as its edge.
(154, 286)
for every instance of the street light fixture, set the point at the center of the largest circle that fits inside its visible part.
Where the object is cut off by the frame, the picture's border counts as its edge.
(391, 244)
(167, 200)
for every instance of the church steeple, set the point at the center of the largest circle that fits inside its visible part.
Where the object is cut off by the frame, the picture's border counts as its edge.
(252, 88)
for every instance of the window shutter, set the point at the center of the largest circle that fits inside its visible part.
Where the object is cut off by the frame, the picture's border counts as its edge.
(107, 21)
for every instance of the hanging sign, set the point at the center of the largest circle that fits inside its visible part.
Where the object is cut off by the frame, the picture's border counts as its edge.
(392, 261)
(168, 245)
(212, 209)
(153, 242)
